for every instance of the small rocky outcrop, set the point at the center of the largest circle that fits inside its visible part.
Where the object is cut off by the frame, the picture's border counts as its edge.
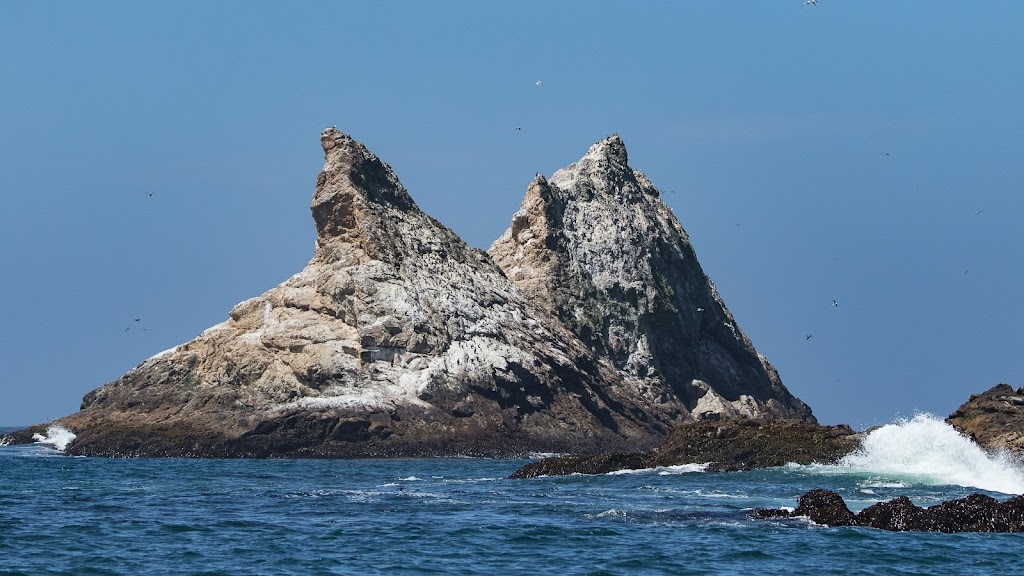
(398, 339)
(975, 513)
(741, 444)
(994, 419)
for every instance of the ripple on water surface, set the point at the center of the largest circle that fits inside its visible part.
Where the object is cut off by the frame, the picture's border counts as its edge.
(84, 515)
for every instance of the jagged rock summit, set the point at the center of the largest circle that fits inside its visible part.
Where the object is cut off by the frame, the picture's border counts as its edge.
(597, 248)
(399, 339)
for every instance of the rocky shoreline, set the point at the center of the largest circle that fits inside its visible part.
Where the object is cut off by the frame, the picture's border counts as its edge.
(994, 419)
(724, 446)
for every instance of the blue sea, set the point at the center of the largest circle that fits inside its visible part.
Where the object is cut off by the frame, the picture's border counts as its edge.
(70, 515)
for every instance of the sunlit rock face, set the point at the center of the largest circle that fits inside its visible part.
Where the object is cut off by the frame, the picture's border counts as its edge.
(399, 339)
(596, 247)
(994, 419)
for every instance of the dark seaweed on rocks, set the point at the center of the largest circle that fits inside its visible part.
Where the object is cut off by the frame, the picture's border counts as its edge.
(726, 445)
(975, 513)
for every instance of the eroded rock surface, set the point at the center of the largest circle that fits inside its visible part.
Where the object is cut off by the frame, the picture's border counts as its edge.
(994, 419)
(399, 339)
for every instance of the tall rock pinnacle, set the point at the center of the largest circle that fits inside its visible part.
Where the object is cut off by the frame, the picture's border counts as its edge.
(399, 339)
(598, 249)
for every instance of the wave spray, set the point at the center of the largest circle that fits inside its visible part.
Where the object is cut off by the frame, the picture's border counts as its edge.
(57, 436)
(927, 450)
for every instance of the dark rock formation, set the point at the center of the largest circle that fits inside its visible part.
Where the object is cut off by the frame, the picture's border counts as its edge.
(740, 444)
(824, 507)
(399, 339)
(994, 419)
(600, 464)
(975, 513)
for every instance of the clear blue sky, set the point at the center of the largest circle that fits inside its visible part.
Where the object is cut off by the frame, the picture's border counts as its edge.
(815, 153)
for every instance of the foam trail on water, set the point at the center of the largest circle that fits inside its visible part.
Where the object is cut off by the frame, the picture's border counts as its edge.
(663, 470)
(927, 450)
(57, 436)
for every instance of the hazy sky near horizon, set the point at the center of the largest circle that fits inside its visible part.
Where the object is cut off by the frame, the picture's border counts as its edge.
(157, 161)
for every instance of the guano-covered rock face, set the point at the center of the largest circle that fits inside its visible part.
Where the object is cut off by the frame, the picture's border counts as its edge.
(597, 248)
(399, 339)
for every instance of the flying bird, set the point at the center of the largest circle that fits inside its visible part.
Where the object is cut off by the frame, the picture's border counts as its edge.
(811, 2)
(835, 304)
(808, 337)
(538, 83)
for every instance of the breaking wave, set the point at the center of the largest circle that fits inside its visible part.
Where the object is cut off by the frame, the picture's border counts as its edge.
(57, 436)
(926, 450)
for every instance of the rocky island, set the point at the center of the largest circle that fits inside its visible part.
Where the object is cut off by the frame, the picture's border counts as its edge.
(589, 326)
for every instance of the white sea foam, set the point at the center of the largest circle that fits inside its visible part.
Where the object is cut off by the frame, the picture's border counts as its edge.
(57, 436)
(926, 450)
(664, 470)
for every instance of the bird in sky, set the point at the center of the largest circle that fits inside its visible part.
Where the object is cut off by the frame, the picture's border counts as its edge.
(811, 2)
(976, 212)
(519, 129)
(835, 304)
(150, 194)
(538, 83)
(808, 337)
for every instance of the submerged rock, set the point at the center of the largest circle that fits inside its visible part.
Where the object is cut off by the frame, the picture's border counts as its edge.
(399, 339)
(740, 444)
(994, 419)
(975, 513)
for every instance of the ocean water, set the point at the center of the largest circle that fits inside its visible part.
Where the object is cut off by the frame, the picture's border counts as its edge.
(67, 515)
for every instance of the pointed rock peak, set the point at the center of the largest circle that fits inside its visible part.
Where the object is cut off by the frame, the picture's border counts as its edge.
(351, 176)
(606, 160)
(611, 148)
